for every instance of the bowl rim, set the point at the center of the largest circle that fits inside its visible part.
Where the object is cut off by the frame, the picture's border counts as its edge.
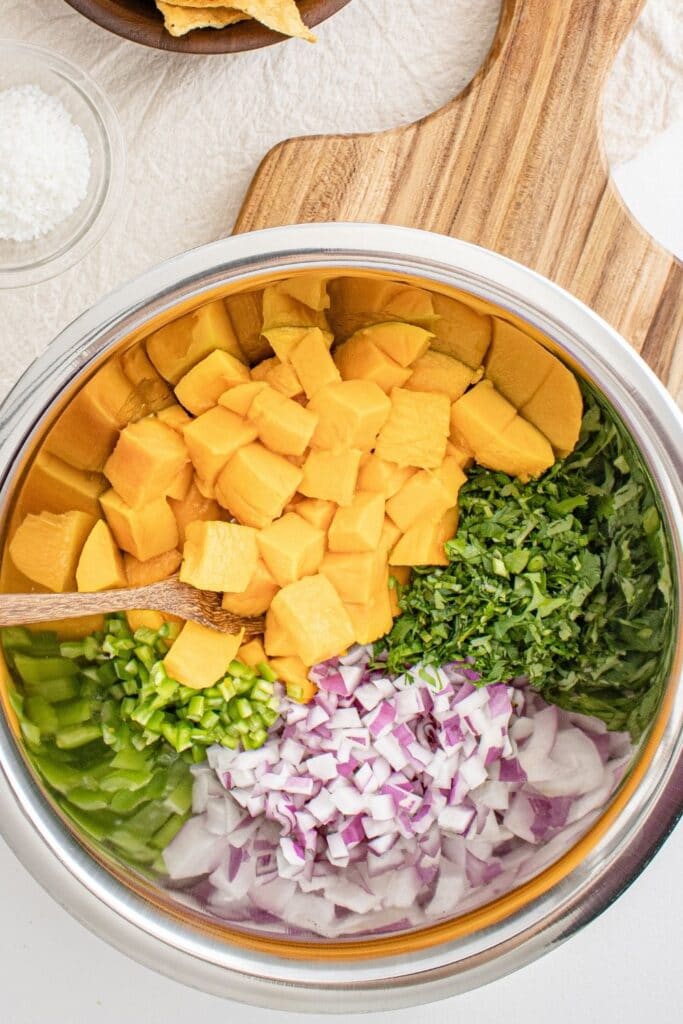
(626, 844)
(239, 38)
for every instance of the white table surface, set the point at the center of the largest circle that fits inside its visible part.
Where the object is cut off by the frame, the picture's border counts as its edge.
(625, 967)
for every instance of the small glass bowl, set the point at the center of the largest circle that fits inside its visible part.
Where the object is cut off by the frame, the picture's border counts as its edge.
(24, 263)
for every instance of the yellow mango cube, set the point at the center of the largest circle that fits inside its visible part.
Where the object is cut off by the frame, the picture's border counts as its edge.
(377, 474)
(356, 576)
(219, 556)
(213, 438)
(252, 653)
(153, 570)
(427, 495)
(389, 538)
(53, 486)
(200, 656)
(556, 409)
(463, 456)
(206, 489)
(358, 527)
(201, 387)
(313, 363)
(194, 506)
(175, 417)
(402, 342)
(312, 613)
(281, 309)
(310, 289)
(435, 371)
(284, 339)
(150, 387)
(143, 618)
(520, 451)
(260, 371)
(245, 310)
(515, 363)
(480, 416)
(291, 548)
(100, 566)
(331, 476)
(350, 414)
(316, 512)
(144, 531)
(256, 484)
(284, 379)
(283, 425)
(182, 483)
(238, 399)
(423, 543)
(416, 431)
(360, 359)
(147, 459)
(372, 620)
(461, 332)
(46, 548)
(294, 674)
(277, 640)
(180, 345)
(358, 301)
(256, 599)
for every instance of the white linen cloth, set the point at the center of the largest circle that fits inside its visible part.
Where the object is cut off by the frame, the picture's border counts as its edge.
(197, 127)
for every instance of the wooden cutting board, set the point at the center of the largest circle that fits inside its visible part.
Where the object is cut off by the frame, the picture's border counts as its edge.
(514, 163)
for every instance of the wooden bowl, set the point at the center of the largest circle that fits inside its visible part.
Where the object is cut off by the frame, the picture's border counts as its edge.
(141, 22)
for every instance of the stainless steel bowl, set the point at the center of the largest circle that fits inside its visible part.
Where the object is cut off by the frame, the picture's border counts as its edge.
(447, 958)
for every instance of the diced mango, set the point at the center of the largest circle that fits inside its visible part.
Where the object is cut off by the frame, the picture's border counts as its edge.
(399, 576)
(145, 531)
(182, 483)
(175, 417)
(283, 425)
(358, 527)
(281, 309)
(192, 507)
(291, 548)
(213, 438)
(312, 613)
(154, 570)
(177, 347)
(100, 566)
(355, 576)
(427, 495)
(277, 640)
(480, 416)
(239, 398)
(350, 414)
(260, 371)
(372, 620)
(53, 486)
(402, 342)
(246, 314)
(316, 512)
(435, 371)
(417, 429)
(389, 538)
(520, 451)
(360, 359)
(142, 618)
(423, 544)
(313, 363)
(463, 456)
(219, 556)
(283, 340)
(379, 475)
(200, 656)
(206, 489)
(358, 301)
(150, 386)
(515, 363)
(146, 461)
(200, 388)
(46, 548)
(460, 331)
(252, 653)
(256, 599)
(556, 409)
(256, 484)
(311, 289)
(294, 674)
(284, 379)
(331, 475)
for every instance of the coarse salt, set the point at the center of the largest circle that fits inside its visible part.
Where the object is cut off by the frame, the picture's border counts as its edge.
(44, 163)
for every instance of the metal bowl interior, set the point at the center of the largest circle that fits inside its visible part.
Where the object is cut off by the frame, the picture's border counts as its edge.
(139, 21)
(175, 932)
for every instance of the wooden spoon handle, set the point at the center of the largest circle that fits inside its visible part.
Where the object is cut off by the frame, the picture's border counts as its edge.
(20, 609)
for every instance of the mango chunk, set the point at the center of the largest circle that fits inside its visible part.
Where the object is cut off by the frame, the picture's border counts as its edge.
(200, 656)
(316, 512)
(331, 475)
(283, 340)
(480, 416)
(556, 409)
(310, 289)
(350, 414)
(144, 531)
(281, 309)
(245, 310)
(372, 620)
(46, 548)
(260, 371)
(252, 653)
(150, 386)
(402, 342)
(416, 431)
(423, 544)
(358, 301)
(516, 363)
(175, 417)
(146, 461)
(360, 359)
(238, 399)
(182, 483)
(356, 576)
(463, 456)
(213, 438)
(520, 451)
(100, 566)
(427, 495)
(256, 599)
(277, 640)
(140, 618)
(256, 484)
(53, 486)
(291, 548)
(192, 507)
(154, 570)
(219, 556)
(435, 371)
(312, 613)
(294, 674)
(200, 388)
(206, 489)
(177, 347)
(358, 527)
(389, 537)
(283, 425)
(283, 378)
(461, 332)
(313, 363)
(377, 474)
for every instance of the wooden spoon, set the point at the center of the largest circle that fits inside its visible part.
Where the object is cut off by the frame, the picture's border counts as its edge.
(170, 595)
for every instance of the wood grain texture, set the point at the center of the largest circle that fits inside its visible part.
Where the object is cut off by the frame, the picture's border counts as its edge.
(169, 596)
(514, 163)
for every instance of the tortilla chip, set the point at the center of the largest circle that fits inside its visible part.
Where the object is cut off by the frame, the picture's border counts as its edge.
(280, 15)
(179, 20)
